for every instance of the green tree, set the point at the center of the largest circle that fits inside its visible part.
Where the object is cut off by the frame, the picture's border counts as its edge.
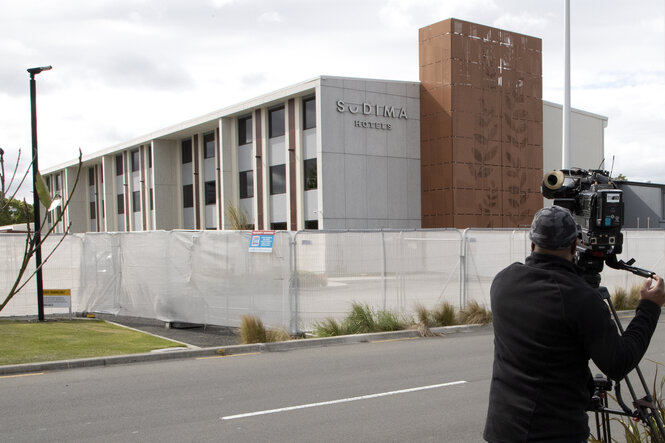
(14, 212)
(620, 177)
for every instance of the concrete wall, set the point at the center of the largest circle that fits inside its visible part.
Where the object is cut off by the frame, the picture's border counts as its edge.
(587, 132)
(369, 154)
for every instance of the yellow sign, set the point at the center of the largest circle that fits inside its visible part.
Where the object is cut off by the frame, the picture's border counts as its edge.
(57, 292)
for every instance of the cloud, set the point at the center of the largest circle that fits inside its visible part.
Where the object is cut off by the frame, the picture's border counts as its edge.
(270, 17)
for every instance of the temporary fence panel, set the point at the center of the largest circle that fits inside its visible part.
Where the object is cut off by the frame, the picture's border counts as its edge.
(648, 250)
(211, 277)
(60, 270)
(486, 252)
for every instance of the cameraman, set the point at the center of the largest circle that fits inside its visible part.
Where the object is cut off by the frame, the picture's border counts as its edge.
(548, 323)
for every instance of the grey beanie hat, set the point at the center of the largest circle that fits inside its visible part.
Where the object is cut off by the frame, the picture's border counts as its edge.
(553, 228)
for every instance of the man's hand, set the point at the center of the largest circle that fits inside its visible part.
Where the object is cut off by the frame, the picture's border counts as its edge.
(654, 292)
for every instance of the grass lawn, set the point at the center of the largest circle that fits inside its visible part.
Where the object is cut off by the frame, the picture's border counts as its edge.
(29, 342)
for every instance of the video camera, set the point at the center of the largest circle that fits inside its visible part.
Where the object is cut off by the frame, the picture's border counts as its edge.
(597, 207)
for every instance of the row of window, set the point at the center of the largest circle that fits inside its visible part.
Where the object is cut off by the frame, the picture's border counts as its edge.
(276, 122)
(134, 156)
(278, 179)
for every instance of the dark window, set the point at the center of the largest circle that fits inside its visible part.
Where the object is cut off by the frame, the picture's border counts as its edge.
(309, 172)
(188, 196)
(247, 184)
(150, 156)
(244, 130)
(277, 179)
(135, 160)
(210, 192)
(152, 205)
(276, 122)
(121, 204)
(186, 147)
(309, 113)
(136, 201)
(209, 145)
(93, 211)
(58, 182)
(311, 224)
(91, 176)
(279, 226)
(118, 164)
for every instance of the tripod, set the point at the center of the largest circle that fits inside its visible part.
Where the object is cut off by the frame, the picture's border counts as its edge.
(646, 410)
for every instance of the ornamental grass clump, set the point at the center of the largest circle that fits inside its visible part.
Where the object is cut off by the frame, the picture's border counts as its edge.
(445, 315)
(361, 320)
(474, 313)
(624, 300)
(252, 330)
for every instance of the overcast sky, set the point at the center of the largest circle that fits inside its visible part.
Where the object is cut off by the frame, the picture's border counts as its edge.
(124, 68)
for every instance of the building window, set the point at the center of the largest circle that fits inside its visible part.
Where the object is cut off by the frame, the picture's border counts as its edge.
(210, 192)
(150, 156)
(276, 122)
(247, 184)
(277, 179)
(244, 130)
(118, 164)
(311, 224)
(136, 201)
(278, 226)
(309, 113)
(188, 196)
(186, 148)
(91, 176)
(93, 211)
(152, 205)
(209, 145)
(135, 160)
(58, 183)
(121, 204)
(309, 170)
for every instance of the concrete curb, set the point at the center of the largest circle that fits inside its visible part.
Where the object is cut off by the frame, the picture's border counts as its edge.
(9, 370)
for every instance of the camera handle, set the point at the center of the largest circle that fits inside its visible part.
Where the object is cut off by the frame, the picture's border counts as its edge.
(612, 262)
(646, 409)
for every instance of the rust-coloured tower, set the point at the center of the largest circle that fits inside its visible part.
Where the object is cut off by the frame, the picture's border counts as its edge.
(481, 126)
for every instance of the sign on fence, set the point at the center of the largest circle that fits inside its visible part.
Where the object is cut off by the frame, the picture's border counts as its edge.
(261, 241)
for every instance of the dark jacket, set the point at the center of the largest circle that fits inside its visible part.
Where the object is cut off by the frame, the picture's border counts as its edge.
(548, 323)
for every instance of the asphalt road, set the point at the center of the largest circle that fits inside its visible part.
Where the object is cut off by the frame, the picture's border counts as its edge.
(196, 400)
(415, 390)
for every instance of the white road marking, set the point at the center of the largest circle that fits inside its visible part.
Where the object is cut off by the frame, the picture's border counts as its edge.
(342, 400)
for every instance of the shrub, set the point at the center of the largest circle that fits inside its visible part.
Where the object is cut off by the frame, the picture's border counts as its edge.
(474, 313)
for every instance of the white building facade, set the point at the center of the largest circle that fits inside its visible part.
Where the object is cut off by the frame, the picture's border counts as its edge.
(328, 153)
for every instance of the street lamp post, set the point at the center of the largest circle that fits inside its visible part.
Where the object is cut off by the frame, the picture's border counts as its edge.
(35, 170)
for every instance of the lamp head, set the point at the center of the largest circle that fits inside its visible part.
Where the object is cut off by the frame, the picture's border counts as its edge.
(35, 71)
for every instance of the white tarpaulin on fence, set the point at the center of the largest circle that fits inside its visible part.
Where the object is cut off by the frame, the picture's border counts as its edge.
(211, 277)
